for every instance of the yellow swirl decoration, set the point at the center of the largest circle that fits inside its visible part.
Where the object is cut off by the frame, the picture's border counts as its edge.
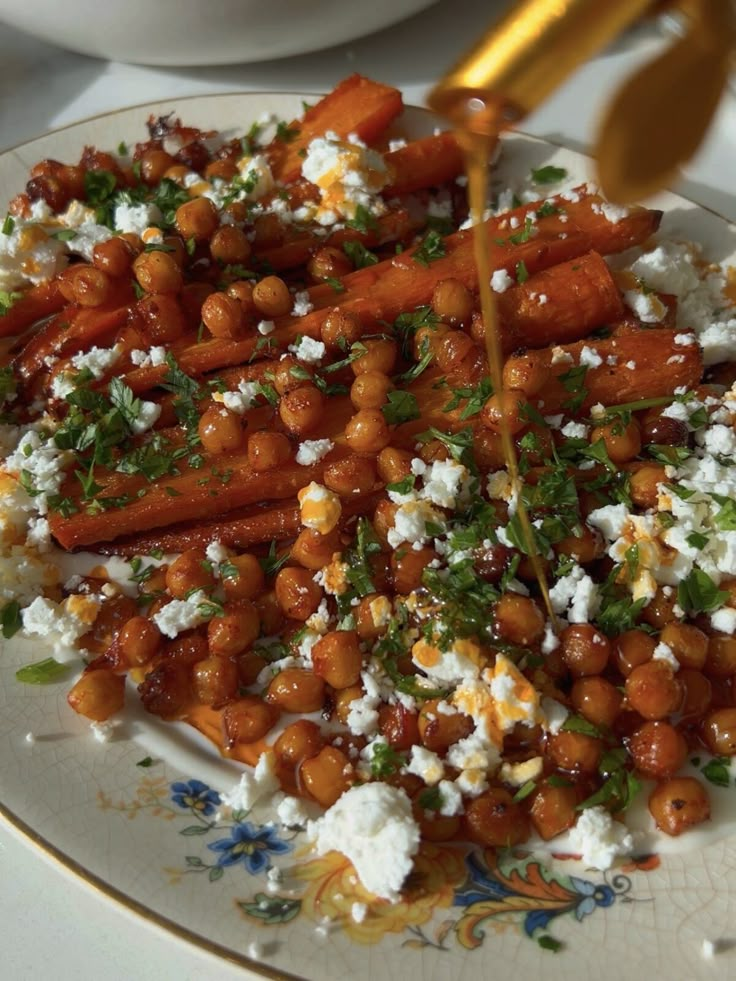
(333, 888)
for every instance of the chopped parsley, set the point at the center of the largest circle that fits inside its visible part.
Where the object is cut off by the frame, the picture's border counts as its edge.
(359, 255)
(41, 672)
(431, 247)
(548, 174)
(400, 407)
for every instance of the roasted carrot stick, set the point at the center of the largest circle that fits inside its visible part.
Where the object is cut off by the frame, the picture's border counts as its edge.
(560, 304)
(357, 105)
(423, 163)
(648, 364)
(39, 302)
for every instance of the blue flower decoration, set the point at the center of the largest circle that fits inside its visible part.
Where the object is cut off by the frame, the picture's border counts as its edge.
(195, 796)
(250, 845)
(593, 895)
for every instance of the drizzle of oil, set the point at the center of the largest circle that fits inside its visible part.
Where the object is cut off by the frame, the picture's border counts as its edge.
(478, 140)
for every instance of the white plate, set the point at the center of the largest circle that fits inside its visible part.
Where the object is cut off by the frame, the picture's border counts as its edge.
(144, 836)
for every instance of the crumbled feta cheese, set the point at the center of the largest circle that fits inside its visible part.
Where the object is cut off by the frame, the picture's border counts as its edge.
(302, 307)
(291, 812)
(576, 595)
(308, 350)
(501, 281)
(61, 624)
(179, 615)
(426, 765)
(358, 912)
(311, 451)
(599, 839)
(372, 826)
(724, 620)
(410, 523)
(136, 218)
(663, 652)
(253, 785)
(554, 714)
(590, 357)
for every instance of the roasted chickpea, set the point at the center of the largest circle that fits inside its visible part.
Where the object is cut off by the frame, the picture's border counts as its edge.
(272, 297)
(114, 257)
(91, 286)
(678, 804)
(438, 731)
(297, 593)
(367, 431)
(299, 741)
(167, 690)
(553, 809)
(452, 302)
(399, 726)
(643, 484)
(153, 165)
(163, 317)
(584, 548)
(266, 451)
(140, 639)
(372, 615)
(327, 775)
(719, 731)
(250, 666)
(234, 631)
(658, 750)
(493, 820)
(407, 567)
(189, 571)
(720, 661)
(584, 649)
(380, 356)
(632, 648)
(688, 644)
(268, 230)
(230, 246)
(393, 464)
(661, 609)
(370, 390)
(505, 408)
(247, 720)
(222, 315)
(329, 263)
(220, 430)
(597, 700)
(302, 410)
(97, 695)
(337, 658)
(158, 272)
(296, 690)
(215, 681)
(351, 475)
(698, 694)
(315, 551)
(518, 619)
(575, 751)
(622, 440)
(341, 328)
(653, 690)
(197, 219)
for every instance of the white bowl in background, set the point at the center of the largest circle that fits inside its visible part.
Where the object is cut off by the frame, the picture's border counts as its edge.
(202, 32)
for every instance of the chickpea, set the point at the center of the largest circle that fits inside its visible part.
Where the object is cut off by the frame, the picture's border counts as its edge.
(597, 700)
(153, 166)
(380, 356)
(399, 726)
(370, 390)
(437, 731)
(315, 551)
(194, 155)
(91, 286)
(653, 691)
(452, 349)
(337, 658)
(242, 577)
(720, 661)
(329, 263)
(407, 567)
(222, 315)
(341, 328)
(98, 695)
(247, 720)
(343, 699)
(299, 741)
(384, 518)
(658, 750)
(327, 775)
(189, 571)
(698, 694)
(215, 681)
(290, 374)
(433, 826)
(271, 614)
(157, 272)
(140, 640)
(452, 302)
(584, 649)
(553, 809)
(272, 297)
(224, 169)
(114, 257)
(162, 316)
(302, 410)
(393, 464)
(250, 666)
(505, 408)
(491, 562)
(266, 451)
(584, 548)
(689, 644)
(367, 431)
(656, 428)
(527, 374)
(197, 219)
(235, 630)
(242, 291)
(678, 804)
(643, 485)
(719, 731)
(220, 430)
(48, 189)
(493, 820)
(575, 751)
(351, 475)
(230, 246)
(297, 593)
(371, 627)
(518, 619)
(167, 690)
(268, 230)
(632, 648)
(622, 441)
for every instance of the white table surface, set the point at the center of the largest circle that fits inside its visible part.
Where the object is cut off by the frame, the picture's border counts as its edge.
(52, 925)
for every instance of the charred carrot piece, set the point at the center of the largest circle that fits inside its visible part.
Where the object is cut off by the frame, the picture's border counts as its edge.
(423, 163)
(560, 304)
(39, 302)
(649, 363)
(358, 105)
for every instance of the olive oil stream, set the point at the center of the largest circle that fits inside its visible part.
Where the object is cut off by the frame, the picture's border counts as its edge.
(478, 145)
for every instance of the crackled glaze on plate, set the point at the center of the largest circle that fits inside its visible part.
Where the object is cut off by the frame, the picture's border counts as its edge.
(156, 839)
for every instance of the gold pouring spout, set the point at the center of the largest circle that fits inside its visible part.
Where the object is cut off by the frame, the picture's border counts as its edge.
(531, 50)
